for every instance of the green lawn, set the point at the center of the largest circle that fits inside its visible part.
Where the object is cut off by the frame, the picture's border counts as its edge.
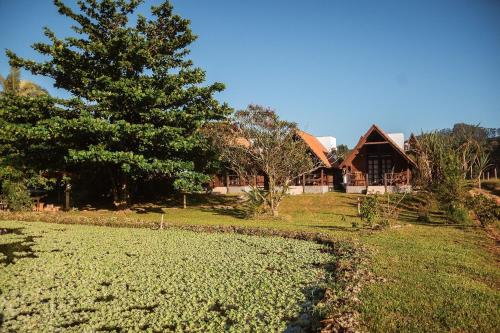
(87, 278)
(438, 276)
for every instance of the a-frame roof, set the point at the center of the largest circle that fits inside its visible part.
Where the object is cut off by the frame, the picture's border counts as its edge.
(316, 147)
(362, 141)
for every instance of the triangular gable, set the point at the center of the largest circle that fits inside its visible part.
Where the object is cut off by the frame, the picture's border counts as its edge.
(374, 133)
(316, 147)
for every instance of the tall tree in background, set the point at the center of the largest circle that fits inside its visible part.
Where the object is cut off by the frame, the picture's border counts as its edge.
(137, 101)
(13, 84)
(341, 153)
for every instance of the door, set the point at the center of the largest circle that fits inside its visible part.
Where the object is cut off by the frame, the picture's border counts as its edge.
(377, 167)
(373, 171)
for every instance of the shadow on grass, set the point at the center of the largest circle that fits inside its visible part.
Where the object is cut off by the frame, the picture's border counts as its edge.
(332, 227)
(17, 250)
(225, 211)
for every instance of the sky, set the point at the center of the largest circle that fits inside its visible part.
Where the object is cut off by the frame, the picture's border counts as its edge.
(334, 67)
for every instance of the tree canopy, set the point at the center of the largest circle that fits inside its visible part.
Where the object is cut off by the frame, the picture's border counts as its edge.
(256, 141)
(136, 101)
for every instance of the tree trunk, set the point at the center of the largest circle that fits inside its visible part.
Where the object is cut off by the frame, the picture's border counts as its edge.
(120, 192)
(125, 193)
(275, 211)
(479, 180)
(184, 201)
(67, 194)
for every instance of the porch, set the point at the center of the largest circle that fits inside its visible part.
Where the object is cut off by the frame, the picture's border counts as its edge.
(392, 182)
(319, 181)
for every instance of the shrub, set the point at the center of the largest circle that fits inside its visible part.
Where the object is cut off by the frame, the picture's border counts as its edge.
(369, 209)
(17, 195)
(486, 209)
(255, 203)
(457, 213)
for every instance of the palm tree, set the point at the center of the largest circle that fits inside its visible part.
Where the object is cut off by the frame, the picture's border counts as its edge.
(13, 84)
(482, 163)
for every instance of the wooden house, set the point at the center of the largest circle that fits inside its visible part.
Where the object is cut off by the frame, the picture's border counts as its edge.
(321, 180)
(377, 164)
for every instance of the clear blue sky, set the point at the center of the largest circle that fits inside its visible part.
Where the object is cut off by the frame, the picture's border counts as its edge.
(334, 67)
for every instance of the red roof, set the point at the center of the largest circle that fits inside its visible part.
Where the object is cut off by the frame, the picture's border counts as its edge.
(316, 147)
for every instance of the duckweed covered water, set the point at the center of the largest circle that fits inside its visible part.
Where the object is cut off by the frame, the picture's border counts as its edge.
(87, 279)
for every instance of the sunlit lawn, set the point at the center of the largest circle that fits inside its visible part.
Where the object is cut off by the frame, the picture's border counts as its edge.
(439, 277)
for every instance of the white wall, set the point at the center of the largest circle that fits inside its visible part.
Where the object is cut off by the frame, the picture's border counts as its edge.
(398, 138)
(329, 142)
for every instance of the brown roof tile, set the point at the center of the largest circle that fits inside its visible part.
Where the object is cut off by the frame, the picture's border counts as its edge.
(316, 147)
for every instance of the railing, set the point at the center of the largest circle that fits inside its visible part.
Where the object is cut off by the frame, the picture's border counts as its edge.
(397, 178)
(387, 179)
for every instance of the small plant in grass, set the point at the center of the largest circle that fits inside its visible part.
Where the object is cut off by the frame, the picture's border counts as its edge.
(369, 209)
(254, 204)
(17, 195)
(389, 209)
(485, 209)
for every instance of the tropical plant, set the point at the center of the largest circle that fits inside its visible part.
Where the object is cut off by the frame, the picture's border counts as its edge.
(255, 200)
(482, 163)
(12, 84)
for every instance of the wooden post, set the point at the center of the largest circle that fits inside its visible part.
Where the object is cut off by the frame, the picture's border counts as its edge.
(227, 183)
(322, 175)
(366, 181)
(385, 182)
(67, 192)
(495, 173)
(161, 223)
(408, 176)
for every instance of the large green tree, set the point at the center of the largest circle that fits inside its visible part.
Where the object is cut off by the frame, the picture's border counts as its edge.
(137, 101)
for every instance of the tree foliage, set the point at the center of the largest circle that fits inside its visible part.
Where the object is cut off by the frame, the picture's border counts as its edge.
(447, 158)
(342, 152)
(137, 101)
(255, 141)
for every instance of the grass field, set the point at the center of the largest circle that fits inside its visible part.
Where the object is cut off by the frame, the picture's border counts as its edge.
(438, 276)
(87, 278)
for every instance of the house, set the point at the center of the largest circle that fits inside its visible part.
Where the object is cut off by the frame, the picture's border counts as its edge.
(321, 180)
(378, 164)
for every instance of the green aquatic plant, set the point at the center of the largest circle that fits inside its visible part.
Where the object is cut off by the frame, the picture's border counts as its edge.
(87, 278)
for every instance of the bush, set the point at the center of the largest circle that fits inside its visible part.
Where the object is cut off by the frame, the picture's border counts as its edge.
(486, 209)
(369, 209)
(255, 204)
(17, 195)
(457, 213)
